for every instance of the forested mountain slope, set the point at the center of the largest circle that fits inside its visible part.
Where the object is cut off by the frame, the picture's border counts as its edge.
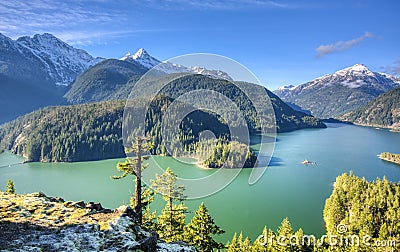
(384, 111)
(93, 131)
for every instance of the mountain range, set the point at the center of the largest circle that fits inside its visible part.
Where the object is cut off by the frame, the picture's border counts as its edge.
(94, 127)
(42, 70)
(93, 131)
(335, 94)
(146, 60)
(39, 71)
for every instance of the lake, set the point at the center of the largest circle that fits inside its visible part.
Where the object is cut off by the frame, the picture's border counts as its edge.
(287, 188)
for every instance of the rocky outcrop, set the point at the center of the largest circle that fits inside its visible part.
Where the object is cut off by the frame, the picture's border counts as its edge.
(36, 222)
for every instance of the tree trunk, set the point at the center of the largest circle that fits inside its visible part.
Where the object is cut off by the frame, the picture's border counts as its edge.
(138, 189)
(170, 214)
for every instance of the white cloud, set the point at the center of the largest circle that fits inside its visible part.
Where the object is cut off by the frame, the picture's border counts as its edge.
(212, 4)
(339, 46)
(22, 17)
(393, 69)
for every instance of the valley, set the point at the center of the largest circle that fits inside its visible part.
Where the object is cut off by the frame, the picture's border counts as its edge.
(66, 126)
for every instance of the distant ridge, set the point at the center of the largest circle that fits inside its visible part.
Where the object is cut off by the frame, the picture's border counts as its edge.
(145, 59)
(383, 111)
(335, 94)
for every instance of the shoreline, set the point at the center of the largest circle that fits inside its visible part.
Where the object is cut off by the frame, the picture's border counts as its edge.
(388, 160)
(376, 126)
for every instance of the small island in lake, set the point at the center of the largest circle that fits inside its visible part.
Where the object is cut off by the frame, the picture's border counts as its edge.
(217, 153)
(387, 156)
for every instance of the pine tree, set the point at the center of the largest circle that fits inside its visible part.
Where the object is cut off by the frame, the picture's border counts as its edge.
(10, 187)
(235, 244)
(246, 245)
(172, 229)
(148, 217)
(171, 222)
(199, 232)
(264, 241)
(239, 244)
(285, 230)
(134, 166)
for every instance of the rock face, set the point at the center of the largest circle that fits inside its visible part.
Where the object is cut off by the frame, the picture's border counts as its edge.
(36, 72)
(60, 62)
(35, 222)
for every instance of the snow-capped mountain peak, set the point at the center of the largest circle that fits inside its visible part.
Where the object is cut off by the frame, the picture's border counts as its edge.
(126, 57)
(145, 59)
(140, 54)
(285, 89)
(356, 70)
(352, 77)
(359, 67)
(334, 94)
(62, 62)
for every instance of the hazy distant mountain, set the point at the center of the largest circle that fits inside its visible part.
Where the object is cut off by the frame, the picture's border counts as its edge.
(383, 111)
(34, 71)
(335, 94)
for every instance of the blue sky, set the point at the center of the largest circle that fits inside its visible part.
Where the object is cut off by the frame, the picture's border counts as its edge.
(281, 41)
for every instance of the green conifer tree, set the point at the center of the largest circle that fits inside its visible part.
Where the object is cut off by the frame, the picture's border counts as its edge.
(10, 187)
(134, 166)
(149, 217)
(239, 244)
(172, 229)
(265, 241)
(200, 231)
(171, 222)
(234, 244)
(285, 230)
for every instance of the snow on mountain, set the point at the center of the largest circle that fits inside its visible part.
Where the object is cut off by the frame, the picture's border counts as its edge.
(20, 63)
(395, 79)
(333, 94)
(146, 60)
(62, 62)
(285, 89)
(352, 77)
(143, 58)
(356, 70)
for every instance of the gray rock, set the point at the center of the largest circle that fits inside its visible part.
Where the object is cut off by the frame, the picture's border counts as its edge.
(94, 206)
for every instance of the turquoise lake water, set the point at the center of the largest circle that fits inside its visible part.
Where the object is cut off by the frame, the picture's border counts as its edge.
(287, 188)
